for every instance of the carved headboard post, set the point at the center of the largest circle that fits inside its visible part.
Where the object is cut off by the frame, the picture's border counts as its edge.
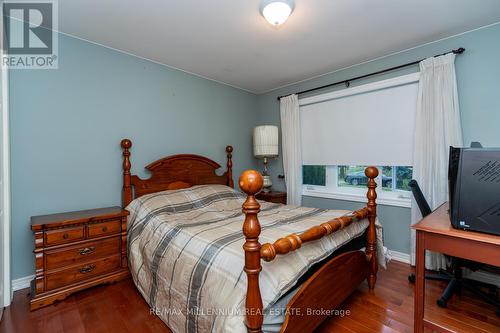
(229, 152)
(127, 187)
(371, 244)
(251, 183)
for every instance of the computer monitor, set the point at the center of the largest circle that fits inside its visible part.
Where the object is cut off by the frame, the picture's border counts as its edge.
(474, 185)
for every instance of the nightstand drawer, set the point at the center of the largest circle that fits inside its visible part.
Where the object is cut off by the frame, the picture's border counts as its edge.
(81, 253)
(104, 228)
(273, 196)
(281, 200)
(85, 271)
(61, 236)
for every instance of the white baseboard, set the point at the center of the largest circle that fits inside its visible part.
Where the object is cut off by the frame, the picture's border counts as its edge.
(399, 256)
(22, 283)
(482, 276)
(25, 281)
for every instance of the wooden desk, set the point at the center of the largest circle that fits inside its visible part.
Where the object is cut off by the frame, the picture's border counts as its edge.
(435, 233)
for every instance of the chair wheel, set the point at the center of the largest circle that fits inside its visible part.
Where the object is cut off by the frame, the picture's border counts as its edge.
(411, 278)
(441, 303)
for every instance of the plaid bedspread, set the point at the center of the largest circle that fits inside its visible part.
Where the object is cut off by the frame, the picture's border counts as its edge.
(186, 258)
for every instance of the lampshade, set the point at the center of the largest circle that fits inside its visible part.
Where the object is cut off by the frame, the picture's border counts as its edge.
(265, 141)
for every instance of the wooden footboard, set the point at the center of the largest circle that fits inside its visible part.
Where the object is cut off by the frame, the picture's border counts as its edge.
(325, 291)
(330, 285)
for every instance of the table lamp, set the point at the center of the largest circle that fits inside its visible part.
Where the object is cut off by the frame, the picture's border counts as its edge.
(265, 146)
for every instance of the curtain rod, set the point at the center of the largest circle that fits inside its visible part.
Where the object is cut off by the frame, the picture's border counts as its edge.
(348, 81)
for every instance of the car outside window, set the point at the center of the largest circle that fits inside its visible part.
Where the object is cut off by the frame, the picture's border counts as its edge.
(351, 180)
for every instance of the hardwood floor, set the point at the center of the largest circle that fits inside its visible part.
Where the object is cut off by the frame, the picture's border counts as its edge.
(120, 308)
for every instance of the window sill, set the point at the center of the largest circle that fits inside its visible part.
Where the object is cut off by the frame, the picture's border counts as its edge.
(388, 200)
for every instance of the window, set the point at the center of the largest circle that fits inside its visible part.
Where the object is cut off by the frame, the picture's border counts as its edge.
(391, 178)
(344, 131)
(349, 182)
(314, 175)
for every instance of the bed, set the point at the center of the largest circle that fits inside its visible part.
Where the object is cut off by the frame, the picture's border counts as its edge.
(186, 230)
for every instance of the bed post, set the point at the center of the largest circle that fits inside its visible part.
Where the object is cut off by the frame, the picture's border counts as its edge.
(229, 151)
(251, 183)
(127, 189)
(371, 242)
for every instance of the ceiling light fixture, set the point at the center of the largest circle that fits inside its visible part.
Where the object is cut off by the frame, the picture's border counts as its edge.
(276, 12)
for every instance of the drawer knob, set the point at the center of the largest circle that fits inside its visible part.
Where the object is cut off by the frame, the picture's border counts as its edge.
(87, 269)
(87, 250)
(104, 229)
(65, 236)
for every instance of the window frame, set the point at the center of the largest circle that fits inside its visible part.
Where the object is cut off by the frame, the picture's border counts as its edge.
(332, 190)
(396, 197)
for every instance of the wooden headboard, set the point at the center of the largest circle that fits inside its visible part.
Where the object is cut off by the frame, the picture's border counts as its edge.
(173, 172)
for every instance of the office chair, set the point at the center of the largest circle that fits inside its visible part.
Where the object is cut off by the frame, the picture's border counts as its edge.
(454, 275)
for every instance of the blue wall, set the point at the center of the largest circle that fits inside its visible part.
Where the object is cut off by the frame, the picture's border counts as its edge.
(66, 125)
(478, 75)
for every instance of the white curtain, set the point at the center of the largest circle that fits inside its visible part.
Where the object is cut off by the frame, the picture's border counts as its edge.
(437, 127)
(292, 148)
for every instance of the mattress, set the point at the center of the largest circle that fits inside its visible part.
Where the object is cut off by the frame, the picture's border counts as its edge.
(186, 258)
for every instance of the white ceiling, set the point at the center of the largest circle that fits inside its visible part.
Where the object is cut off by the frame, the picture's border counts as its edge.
(229, 41)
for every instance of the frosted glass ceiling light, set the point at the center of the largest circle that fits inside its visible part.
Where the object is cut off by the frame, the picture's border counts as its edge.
(276, 12)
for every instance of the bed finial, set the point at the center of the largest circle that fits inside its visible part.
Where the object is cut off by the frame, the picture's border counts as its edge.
(229, 154)
(126, 144)
(371, 243)
(251, 183)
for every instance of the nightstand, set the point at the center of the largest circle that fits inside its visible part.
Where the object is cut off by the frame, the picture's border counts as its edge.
(77, 250)
(272, 196)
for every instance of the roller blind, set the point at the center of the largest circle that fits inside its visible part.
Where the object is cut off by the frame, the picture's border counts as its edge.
(371, 124)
